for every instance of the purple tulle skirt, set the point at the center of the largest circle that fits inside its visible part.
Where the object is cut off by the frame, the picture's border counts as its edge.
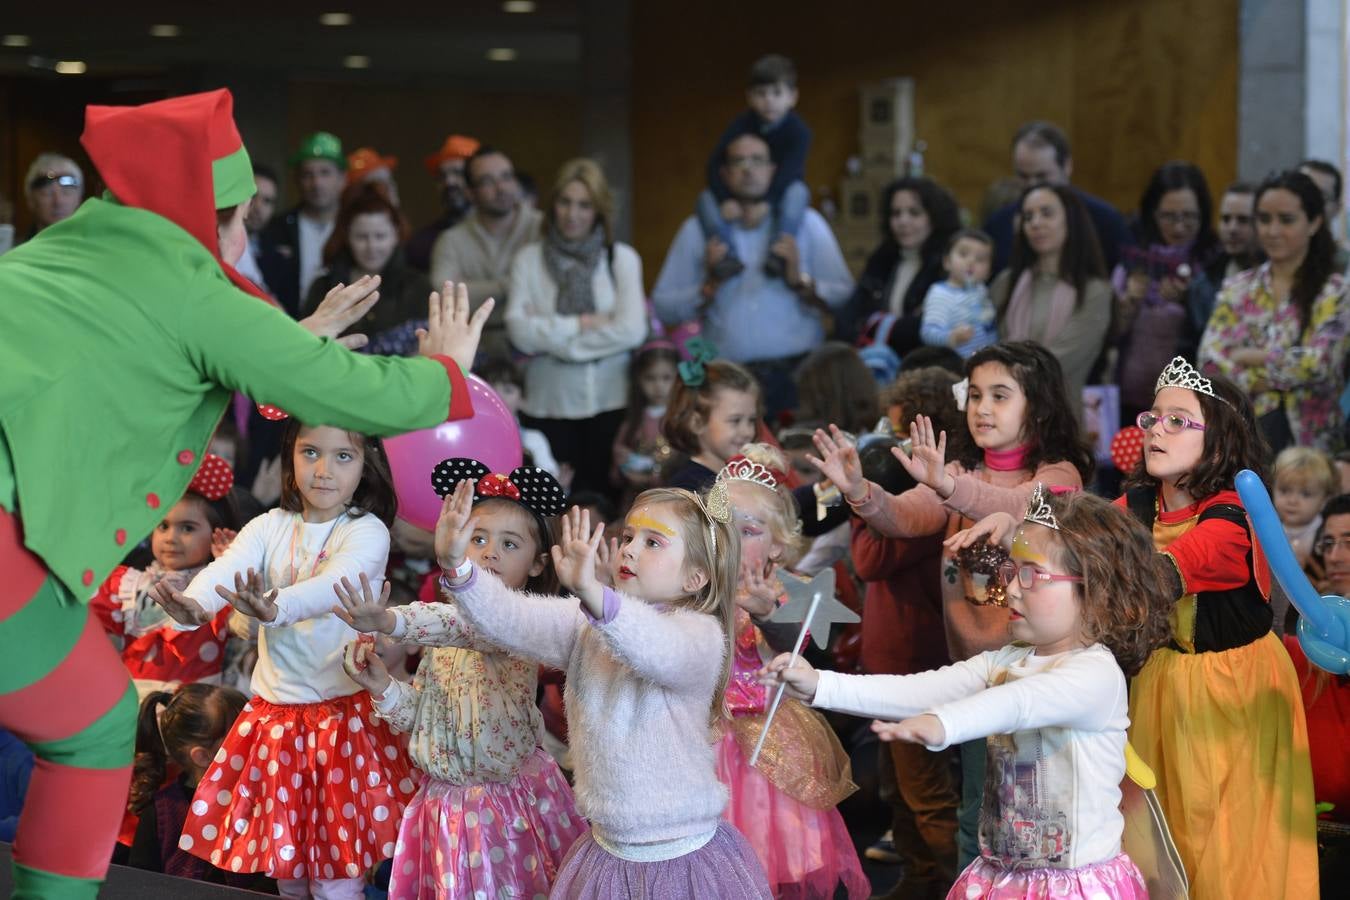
(725, 868)
(1117, 878)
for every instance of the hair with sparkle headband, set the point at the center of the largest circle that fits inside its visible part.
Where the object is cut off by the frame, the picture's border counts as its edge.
(741, 468)
(1038, 507)
(1181, 374)
(530, 486)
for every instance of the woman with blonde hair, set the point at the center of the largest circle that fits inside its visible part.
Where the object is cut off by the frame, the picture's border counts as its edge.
(576, 305)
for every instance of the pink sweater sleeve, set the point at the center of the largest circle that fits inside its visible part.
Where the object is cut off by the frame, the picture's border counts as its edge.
(677, 649)
(975, 498)
(530, 625)
(918, 512)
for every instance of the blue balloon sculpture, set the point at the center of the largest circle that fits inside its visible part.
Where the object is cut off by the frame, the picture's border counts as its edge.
(1324, 623)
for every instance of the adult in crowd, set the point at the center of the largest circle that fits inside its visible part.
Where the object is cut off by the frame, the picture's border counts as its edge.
(1041, 155)
(918, 219)
(1055, 291)
(367, 240)
(479, 250)
(577, 307)
(1239, 248)
(1163, 294)
(365, 166)
(1328, 180)
(260, 211)
(446, 167)
(291, 247)
(54, 186)
(767, 324)
(1280, 330)
(77, 489)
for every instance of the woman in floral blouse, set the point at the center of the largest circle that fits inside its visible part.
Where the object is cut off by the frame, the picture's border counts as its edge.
(1280, 330)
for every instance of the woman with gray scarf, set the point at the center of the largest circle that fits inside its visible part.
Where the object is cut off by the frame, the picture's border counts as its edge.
(576, 305)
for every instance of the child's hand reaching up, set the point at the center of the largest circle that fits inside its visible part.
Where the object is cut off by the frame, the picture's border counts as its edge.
(838, 461)
(364, 666)
(996, 528)
(925, 729)
(452, 528)
(927, 462)
(361, 610)
(605, 556)
(759, 591)
(249, 598)
(221, 538)
(574, 559)
(179, 606)
(801, 680)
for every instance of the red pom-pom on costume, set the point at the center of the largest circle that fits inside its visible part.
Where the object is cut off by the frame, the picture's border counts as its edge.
(497, 486)
(214, 478)
(1127, 448)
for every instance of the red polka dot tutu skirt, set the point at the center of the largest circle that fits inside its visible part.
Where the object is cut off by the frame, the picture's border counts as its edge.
(312, 790)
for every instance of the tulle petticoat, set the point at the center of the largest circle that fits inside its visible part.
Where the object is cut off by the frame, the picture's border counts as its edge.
(1115, 879)
(309, 790)
(496, 839)
(725, 867)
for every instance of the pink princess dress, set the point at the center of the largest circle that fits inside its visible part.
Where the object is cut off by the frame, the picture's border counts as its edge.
(495, 816)
(785, 804)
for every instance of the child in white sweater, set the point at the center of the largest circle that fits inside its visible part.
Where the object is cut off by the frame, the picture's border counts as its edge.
(1088, 603)
(647, 667)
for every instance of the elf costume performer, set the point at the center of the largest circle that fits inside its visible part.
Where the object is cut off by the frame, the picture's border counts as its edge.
(98, 437)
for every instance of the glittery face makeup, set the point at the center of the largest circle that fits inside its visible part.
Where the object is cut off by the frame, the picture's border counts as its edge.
(651, 563)
(641, 519)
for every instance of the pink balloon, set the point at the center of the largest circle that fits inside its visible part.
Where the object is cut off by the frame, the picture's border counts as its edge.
(490, 436)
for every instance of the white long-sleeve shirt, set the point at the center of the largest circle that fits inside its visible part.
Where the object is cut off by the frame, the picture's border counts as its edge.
(300, 652)
(1056, 728)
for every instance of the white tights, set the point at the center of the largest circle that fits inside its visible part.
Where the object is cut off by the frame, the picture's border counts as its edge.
(321, 888)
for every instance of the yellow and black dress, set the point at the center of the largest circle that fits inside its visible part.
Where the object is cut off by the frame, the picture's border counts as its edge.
(1218, 715)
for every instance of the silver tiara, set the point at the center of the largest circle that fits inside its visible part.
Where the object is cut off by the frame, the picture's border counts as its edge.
(1038, 508)
(1181, 374)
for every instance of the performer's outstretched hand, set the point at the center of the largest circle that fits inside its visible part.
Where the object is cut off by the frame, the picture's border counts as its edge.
(451, 331)
(343, 307)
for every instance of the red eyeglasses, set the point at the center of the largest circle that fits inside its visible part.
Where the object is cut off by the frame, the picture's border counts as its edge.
(1028, 575)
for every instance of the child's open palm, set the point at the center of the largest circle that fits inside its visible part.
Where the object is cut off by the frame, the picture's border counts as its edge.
(452, 528)
(759, 590)
(179, 606)
(838, 460)
(249, 597)
(927, 461)
(361, 610)
(925, 729)
(574, 558)
(364, 666)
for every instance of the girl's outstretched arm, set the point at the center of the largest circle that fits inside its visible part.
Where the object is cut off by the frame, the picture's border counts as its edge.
(530, 625)
(677, 649)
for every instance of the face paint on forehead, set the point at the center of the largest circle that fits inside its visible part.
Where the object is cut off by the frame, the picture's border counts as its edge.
(1022, 549)
(641, 519)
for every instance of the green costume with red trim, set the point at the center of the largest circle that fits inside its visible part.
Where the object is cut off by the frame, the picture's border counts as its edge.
(123, 335)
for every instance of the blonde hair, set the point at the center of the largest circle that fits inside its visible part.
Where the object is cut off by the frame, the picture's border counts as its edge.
(785, 524)
(592, 178)
(1308, 467)
(722, 563)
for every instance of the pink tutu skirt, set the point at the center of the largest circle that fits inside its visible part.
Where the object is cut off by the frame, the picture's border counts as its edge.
(1116, 879)
(309, 790)
(487, 840)
(806, 852)
(724, 868)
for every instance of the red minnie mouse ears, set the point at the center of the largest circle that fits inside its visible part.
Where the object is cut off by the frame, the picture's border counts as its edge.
(531, 486)
(214, 478)
(272, 413)
(1127, 448)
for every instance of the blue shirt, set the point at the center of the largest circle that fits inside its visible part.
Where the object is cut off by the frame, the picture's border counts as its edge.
(753, 316)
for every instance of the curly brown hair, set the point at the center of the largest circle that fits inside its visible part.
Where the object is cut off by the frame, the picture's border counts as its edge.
(835, 385)
(1125, 594)
(1233, 442)
(928, 392)
(689, 407)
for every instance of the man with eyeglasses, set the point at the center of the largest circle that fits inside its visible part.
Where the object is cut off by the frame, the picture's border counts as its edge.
(1333, 545)
(54, 187)
(478, 251)
(766, 323)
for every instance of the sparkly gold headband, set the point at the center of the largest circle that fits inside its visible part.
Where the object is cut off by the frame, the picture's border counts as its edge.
(717, 507)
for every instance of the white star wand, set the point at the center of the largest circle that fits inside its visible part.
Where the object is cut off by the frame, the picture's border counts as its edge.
(813, 604)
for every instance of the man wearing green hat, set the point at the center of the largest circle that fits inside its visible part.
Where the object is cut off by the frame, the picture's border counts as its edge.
(291, 247)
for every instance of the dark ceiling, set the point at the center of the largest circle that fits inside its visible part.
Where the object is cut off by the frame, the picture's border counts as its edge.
(405, 42)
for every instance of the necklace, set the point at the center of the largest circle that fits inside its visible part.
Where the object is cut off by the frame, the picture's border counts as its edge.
(294, 573)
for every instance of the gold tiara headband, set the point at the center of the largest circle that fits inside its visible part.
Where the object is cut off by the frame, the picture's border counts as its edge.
(717, 507)
(1181, 374)
(1038, 508)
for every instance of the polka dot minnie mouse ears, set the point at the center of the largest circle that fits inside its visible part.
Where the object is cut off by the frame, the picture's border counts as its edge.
(531, 486)
(1127, 448)
(214, 478)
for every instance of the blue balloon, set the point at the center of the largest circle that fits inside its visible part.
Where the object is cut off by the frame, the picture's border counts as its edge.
(1324, 629)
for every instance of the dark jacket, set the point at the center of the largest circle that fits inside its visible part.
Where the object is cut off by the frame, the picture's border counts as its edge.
(874, 290)
(1112, 232)
(403, 294)
(789, 140)
(279, 259)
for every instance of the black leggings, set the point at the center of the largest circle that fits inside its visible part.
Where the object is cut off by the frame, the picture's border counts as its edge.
(587, 445)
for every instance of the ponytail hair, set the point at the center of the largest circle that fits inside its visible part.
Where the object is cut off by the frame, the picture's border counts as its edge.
(196, 715)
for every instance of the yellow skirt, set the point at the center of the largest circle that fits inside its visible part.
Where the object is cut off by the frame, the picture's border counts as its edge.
(1225, 733)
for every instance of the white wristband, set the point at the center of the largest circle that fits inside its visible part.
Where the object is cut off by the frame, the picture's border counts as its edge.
(458, 573)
